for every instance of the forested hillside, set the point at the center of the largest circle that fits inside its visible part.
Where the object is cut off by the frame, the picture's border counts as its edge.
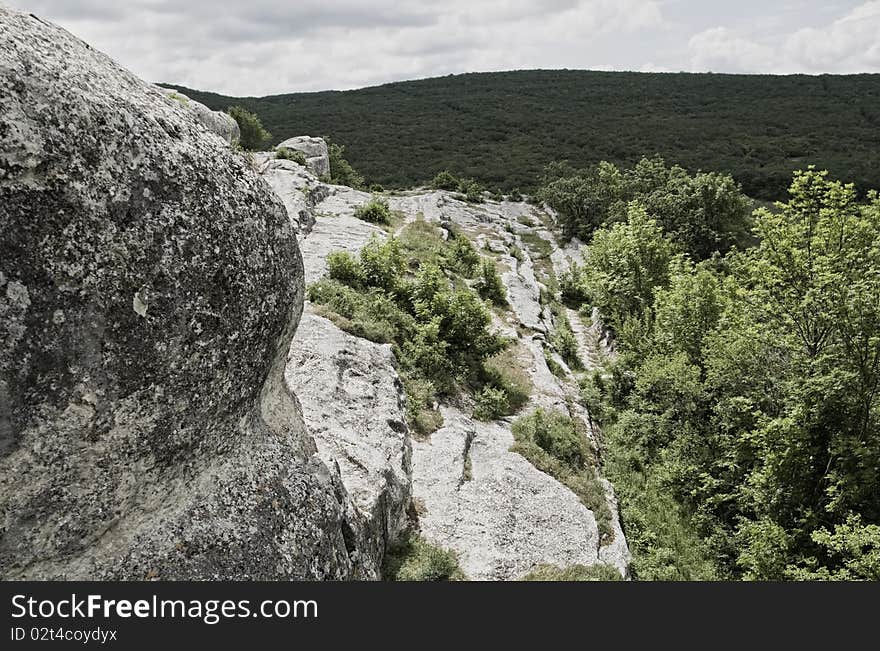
(741, 413)
(503, 128)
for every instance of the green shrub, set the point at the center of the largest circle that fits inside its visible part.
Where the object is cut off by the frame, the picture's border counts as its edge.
(566, 344)
(440, 333)
(445, 180)
(415, 559)
(370, 315)
(555, 433)
(504, 371)
(336, 295)
(552, 442)
(462, 256)
(489, 285)
(375, 211)
(624, 267)
(341, 171)
(253, 136)
(344, 267)
(597, 572)
(572, 287)
(295, 155)
(492, 403)
(472, 191)
(382, 263)
(376, 188)
(592, 394)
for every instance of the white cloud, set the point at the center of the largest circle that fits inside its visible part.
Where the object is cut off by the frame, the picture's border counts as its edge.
(720, 50)
(257, 47)
(274, 46)
(850, 43)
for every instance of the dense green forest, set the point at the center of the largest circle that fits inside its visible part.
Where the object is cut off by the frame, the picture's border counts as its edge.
(503, 128)
(741, 415)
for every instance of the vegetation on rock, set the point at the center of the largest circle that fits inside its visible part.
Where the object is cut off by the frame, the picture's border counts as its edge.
(415, 559)
(341, 171)
(295, 155)
(597, 572)
(439, 328)
(554, 444)
(253, 136)
(375, 211)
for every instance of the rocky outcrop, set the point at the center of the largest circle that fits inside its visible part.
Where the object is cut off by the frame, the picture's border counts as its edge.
(299, 189)
(501, 514)
(150, 285)
(471, 493)
(354, 406)
(216, 122)
(315, 151)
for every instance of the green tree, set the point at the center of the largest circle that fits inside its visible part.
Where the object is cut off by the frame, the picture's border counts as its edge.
(253, 136)
(625, 265)
(701, 213)
(341, 171)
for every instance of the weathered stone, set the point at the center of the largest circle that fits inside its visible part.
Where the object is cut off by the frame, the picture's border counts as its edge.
(217, 122)
(493, 507)
(354, 406)
(299, 189)
(336, 229)
(150, 284)
(500, 514)
(315, 151)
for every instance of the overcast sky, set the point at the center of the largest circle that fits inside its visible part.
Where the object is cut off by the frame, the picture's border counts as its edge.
(259, 47)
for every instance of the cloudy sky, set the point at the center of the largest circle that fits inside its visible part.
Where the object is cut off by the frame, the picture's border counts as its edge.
(259, 47)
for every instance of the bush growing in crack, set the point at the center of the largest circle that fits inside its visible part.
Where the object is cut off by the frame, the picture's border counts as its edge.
(489, 285)
(375, 211)
(285, 153)
(415, 559)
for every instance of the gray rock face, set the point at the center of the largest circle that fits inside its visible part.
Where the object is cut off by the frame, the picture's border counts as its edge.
(315, 150)
(353, 405)
(472, 494)
(214, 121)
(299, 189)
(336, 229)
(501, 514)
(150, 284)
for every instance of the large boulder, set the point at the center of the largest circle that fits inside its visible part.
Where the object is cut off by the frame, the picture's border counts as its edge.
(315, 151)
(217, 122)
(150, 284)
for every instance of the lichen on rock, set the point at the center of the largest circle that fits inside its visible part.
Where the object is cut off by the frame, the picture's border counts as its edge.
(150, 284)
